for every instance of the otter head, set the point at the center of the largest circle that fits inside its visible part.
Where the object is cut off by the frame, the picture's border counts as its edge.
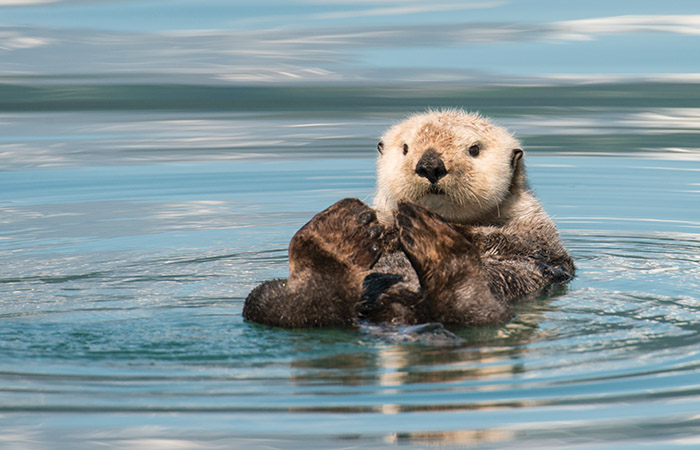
(458, 165)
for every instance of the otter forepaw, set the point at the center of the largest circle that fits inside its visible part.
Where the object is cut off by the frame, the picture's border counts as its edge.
(449, 269)
(429, 241)
(347, 233)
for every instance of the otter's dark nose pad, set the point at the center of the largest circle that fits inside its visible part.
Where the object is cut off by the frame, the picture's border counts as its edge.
(430, 166)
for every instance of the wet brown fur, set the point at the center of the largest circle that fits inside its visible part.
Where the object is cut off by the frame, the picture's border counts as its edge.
(462, 257)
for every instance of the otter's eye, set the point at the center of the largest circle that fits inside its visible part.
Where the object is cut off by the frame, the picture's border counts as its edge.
(405, 148)
(380, 147)
(474, 150)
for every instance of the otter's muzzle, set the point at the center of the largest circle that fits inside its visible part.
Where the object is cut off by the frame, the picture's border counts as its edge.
(430, 166)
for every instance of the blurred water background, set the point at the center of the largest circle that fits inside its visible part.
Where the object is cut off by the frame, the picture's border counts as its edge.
(156, 158)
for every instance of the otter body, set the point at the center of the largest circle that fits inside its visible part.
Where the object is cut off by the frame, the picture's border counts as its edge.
(454, 236)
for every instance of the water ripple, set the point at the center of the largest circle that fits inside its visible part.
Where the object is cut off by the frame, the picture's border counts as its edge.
(121, 289)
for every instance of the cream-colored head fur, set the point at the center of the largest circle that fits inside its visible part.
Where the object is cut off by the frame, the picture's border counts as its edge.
(477, 182)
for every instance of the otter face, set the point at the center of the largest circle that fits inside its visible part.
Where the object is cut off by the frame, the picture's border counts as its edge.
(458, 165)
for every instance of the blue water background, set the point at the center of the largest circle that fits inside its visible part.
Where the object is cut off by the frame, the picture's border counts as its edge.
(131, 234)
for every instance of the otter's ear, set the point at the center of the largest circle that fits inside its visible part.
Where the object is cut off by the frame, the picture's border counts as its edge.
(517, 156)
(380, 147)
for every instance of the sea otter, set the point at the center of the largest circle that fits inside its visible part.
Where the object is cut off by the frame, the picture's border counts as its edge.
(454, 236)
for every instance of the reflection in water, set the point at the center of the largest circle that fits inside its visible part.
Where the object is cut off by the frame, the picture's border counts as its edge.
(424, 368)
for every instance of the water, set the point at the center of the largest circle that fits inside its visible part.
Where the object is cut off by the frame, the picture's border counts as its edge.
(131, 233)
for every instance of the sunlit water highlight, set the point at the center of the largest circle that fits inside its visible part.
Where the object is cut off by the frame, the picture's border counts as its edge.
(129, 240)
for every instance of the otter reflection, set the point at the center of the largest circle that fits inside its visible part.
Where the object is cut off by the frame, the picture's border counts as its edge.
(398, 370)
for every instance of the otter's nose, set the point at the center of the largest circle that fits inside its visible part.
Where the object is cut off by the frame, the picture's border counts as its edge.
(430, 166)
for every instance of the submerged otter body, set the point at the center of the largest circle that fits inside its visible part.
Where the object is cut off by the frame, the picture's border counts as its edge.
(454, 236)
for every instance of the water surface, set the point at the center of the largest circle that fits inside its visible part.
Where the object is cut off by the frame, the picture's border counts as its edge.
(130, 236)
